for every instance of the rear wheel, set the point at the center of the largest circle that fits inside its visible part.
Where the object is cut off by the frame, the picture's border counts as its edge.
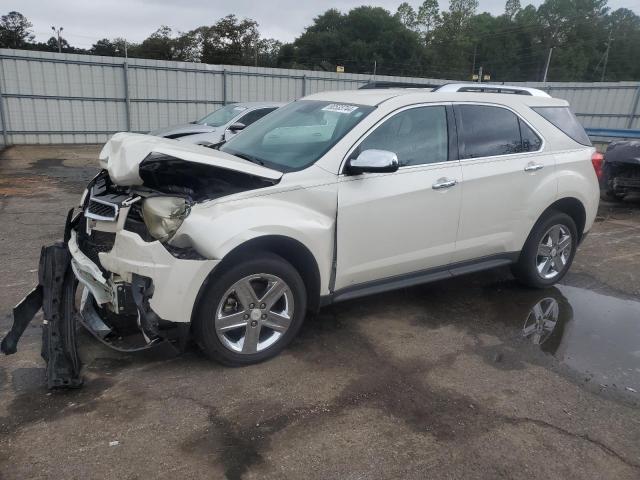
(548, 252)
(252, 311)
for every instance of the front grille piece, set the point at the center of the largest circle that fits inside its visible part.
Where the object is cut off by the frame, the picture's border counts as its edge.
(101, 210)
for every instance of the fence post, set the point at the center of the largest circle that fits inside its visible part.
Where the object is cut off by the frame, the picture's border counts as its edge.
(304, 85)
(634, 107)
(3, 118)
(224, 86)
(127, 99)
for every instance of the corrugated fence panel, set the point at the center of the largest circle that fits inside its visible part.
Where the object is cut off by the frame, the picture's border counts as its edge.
(66, 98)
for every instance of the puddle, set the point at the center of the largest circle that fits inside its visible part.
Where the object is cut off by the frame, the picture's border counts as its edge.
(592, 333)
(71, 177)
(595, 334)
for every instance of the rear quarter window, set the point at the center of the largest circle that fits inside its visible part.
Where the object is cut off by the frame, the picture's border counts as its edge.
(566, 121)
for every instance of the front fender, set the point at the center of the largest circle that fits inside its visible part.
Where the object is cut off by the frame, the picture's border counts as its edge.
(306, 215)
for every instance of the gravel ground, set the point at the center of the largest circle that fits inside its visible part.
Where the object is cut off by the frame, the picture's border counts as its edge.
(442, 380)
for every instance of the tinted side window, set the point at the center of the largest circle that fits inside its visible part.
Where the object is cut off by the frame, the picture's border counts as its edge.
(530, 141)
(566, 121)
(488, 131)
(254, 116)
(417, 136)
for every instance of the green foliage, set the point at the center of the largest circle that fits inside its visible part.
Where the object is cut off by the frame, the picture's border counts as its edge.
(418, 40)
(357, 39)
(15, 30)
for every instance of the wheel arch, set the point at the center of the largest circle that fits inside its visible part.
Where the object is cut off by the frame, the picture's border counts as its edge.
(575, 209)
(572, 207)
(289, 249)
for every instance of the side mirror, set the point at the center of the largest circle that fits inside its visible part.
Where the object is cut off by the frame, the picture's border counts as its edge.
(236, 127)
(373, 161)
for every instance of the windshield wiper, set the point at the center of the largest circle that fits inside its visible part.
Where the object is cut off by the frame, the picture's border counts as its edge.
(250, 158)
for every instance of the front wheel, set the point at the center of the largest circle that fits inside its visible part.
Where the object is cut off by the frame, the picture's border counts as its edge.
(548, 252)
(252, 311)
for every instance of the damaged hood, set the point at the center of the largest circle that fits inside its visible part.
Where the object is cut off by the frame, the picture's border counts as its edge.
(186, 129)
(623, 151)
(122, 154)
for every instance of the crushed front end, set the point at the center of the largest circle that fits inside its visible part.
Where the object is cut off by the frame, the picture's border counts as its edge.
(130, 290)
(116, 271)
(132, 282)
(621, 169)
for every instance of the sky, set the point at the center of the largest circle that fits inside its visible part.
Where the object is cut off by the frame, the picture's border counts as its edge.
(85, 21)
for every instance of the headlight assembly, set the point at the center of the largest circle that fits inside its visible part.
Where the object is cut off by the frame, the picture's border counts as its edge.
(164, 215)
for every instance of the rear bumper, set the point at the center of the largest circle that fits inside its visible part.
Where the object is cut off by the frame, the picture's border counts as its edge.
(176, 282)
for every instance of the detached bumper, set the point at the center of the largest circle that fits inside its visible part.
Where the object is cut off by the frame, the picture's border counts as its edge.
(55, 294)
(176, 282)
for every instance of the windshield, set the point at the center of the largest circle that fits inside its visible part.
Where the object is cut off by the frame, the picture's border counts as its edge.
(296, 135)
(222, 116)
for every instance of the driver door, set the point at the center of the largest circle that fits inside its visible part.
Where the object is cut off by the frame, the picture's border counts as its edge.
(400, 223)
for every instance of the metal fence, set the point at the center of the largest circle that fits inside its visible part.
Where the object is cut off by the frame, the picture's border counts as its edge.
(67, 98)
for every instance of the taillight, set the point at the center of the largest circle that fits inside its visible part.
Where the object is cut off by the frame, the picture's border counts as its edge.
(598, 160)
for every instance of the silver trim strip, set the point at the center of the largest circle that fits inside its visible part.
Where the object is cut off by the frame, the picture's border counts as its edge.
(479, 88)
(94, 216)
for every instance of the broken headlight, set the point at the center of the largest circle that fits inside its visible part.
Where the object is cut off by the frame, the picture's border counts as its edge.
(164, 215)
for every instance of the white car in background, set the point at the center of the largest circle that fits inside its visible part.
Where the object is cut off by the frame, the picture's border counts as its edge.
(220, 125)
(332, 197)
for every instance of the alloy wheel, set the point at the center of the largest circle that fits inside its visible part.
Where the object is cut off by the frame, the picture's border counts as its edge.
(254, 313)
(554, 252)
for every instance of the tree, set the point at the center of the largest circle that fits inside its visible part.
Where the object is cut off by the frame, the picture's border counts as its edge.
(15, 30)
(104, 47)
(407, 15)
(511, 8)
(229, 41)
(428, 17)
(159, 45)
(358, 38)
(423, 42)
(452, 40)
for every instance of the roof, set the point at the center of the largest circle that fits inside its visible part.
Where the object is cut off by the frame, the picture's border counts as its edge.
(408, 96)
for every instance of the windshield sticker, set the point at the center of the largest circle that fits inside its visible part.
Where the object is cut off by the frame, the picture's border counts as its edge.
(340, 108)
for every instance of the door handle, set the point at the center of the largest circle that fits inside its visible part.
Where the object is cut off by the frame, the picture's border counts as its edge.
(444, 183)
(533, 167)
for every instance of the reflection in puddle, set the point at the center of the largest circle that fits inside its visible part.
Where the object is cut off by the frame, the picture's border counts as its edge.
(591, 333)
(542, 321)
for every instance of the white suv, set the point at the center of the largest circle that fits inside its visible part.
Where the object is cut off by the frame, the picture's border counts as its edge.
(332, 197)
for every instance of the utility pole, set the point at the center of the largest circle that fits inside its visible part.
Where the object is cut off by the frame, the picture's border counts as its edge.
(57, 32)
(606, 57)
(546, 67)
(375, 67)
(480, 74)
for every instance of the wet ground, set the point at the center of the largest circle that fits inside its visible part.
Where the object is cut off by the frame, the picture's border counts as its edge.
(474, 377)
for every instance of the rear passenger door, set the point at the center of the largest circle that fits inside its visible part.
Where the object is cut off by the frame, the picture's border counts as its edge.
(506, 176)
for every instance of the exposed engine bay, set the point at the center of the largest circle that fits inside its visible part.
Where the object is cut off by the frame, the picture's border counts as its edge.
(199, 182)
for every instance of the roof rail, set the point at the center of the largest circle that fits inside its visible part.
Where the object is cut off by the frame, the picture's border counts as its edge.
(491, 88)
(386, 84)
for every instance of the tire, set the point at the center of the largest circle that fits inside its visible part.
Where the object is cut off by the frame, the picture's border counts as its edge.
(540, 271)
(237, 323)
